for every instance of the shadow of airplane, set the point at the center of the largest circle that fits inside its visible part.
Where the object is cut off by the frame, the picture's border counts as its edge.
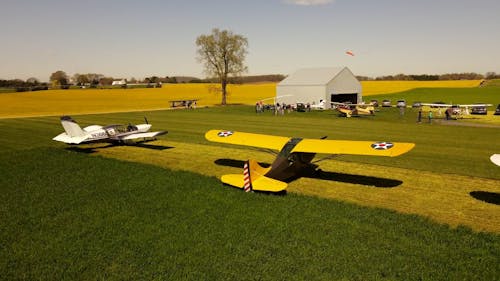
(488, 197)
(236, 163)
(87, 150)
(93, 149)
(152, 146)
(324, 175)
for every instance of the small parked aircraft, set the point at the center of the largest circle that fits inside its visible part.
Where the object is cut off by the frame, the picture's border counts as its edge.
(320, 106)
(354, 109)
(118, 134)
(456, 111)
(294, 157)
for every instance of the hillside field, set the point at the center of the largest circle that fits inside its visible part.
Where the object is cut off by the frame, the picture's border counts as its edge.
(85, 101)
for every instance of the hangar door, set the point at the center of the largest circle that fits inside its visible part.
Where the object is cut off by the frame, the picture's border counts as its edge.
(353, 98)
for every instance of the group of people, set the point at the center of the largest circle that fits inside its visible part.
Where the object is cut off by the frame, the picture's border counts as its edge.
(280, 108)
(430, 116)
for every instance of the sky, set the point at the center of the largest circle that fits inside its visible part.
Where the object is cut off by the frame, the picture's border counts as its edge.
(132, 38)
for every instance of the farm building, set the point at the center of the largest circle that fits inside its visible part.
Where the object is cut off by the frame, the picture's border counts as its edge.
(319, 85)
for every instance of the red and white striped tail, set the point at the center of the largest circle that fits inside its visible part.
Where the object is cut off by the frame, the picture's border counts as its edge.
(247, 187)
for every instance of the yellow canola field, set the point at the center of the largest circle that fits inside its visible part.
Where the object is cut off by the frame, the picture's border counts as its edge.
(83, 101)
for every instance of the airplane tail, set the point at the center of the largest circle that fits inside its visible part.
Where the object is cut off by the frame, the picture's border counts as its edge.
(254, 178)
(71, 127)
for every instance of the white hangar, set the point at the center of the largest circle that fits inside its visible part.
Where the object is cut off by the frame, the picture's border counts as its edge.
(319, 85)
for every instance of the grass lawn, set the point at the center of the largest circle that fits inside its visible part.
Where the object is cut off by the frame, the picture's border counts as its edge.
(67, 216)
(157, 210)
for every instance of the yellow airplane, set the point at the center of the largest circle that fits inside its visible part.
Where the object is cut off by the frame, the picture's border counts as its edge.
(348, 110)
(294, 157)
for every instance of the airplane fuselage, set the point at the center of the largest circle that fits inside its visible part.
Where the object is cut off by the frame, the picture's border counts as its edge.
(290, 165)
(111, 133)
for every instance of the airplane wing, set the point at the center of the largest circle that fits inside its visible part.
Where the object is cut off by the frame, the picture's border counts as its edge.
(473, 105)
(375, 148)
(247, 139)
(143, 135)
(437, 104)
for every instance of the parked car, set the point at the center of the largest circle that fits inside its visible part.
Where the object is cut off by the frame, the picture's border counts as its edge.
(416, 104)
(479, 109)
(455, 109)
(386, 103)
(401, 103)
(300, 107)
(374, 103)
(453, 112)
(497, 111)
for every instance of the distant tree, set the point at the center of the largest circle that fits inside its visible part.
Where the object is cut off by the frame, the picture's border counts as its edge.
(492, 75)
(81, 79)
(132, 80)
(363, 78)
(106, 81)
(94, 79)
(154, 79)
(169, 80)
(461, 76)
(32, 81)
(59, 78)
(223, 54)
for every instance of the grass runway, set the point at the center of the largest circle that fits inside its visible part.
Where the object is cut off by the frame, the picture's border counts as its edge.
(157, 210)
(445, 198)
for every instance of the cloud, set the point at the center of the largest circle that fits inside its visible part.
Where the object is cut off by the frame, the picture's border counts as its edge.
(309, 2)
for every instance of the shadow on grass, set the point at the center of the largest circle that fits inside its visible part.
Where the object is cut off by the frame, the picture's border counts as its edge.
(488, 197)
(357, 179)
(236, 163)
(152, 146)
(324, 175)
(87, 150)
(93, 149)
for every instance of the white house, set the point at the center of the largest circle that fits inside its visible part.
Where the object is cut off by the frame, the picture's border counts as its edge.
(315, 85)
(119, 82)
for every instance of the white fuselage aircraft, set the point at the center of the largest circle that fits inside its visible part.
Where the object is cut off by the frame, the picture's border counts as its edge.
(119, 134)
(495, 158)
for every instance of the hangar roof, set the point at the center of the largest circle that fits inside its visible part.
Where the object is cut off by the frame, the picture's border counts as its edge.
(312, 76)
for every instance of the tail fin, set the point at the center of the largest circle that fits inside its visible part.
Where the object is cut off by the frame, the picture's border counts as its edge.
(254, 178)
(71, 127)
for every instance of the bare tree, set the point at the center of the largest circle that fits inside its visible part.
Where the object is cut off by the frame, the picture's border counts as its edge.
(81, 79)
(223, 54)
(59, 78)
(32, 81)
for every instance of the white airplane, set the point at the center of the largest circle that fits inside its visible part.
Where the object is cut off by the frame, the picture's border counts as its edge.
(320, 106)
(118, 134)
(495, 158)
(458, 110)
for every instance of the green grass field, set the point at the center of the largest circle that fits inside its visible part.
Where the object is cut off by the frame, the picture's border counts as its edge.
(157, 211)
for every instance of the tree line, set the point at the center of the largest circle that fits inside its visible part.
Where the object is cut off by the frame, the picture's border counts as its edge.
(60, 79)
(31, 84)
(432, 77)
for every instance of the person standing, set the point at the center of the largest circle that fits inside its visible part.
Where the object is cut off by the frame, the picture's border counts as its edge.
(419, 119)
(430, 116)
